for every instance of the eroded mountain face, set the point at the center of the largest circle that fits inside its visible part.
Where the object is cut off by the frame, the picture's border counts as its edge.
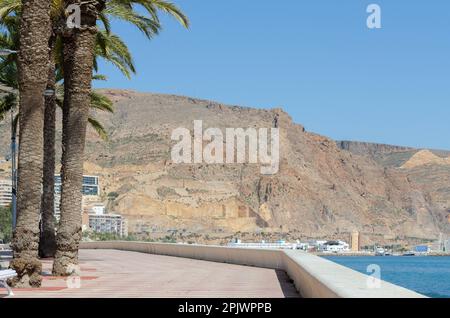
(323, 188)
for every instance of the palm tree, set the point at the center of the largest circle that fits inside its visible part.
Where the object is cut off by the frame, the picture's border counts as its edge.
(110, 48)
(79, 49)
(32, 63)
(120, 9)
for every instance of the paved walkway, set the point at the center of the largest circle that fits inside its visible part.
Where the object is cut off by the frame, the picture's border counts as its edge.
(111, 273)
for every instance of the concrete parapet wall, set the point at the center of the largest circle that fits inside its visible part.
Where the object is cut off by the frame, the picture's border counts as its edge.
(314, 277)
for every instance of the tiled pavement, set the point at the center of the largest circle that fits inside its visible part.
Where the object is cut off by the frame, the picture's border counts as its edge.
(111, 273)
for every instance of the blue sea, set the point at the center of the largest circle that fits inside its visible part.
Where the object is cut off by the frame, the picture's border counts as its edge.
(426, 275)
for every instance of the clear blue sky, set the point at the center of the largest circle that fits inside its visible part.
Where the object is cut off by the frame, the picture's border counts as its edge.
(316, 59)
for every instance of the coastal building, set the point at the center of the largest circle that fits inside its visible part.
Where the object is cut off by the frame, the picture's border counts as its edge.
(5, 192)
(98, 209)
(93, 207)
(89, 208)
(355, 240)
(316, 245)
(57, 204)
(108, 223)
(421, 249)
(90, 186)
(335, 247)
(441, 245)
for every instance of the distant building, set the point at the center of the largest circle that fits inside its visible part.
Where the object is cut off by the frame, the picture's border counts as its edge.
(57, 204)
(5, 192)
(316, 245)
(108, 223)
(96, 208)
(90, 186)
(336, 247)
(442, 245)
(421, 249)
(355, 241)
(91, 208)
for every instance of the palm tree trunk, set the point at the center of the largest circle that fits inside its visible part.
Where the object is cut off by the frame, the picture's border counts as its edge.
(78, 61)
(32, 63)
(47, 243)
(77, 65)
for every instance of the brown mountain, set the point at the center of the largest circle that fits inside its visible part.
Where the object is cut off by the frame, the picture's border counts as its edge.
(323, 189)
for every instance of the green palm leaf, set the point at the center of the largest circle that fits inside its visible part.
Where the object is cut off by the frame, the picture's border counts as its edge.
(101, 131)
(111, 48)
(101, 102)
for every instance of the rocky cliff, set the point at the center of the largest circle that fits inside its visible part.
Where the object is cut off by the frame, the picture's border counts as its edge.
(323, 188)
(371, 149)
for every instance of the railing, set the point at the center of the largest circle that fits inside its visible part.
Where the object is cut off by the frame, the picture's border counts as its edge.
(313, 276)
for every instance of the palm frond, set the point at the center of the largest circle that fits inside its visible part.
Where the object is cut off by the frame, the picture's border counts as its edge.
(170, 9)
(112, 49)
(98, 127)
(124, 12)
(9, 6)
(105, 21)
(101, 102)
(8, 73)
(99, 77)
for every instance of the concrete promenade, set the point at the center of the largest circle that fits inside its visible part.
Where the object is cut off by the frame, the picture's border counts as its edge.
(313, 276)
(113, 273)
(143, 269)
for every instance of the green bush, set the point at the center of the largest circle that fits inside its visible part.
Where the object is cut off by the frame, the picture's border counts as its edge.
(95, 236)
(113, 195)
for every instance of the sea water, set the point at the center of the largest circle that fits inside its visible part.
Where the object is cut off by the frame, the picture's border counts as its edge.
(427, 275)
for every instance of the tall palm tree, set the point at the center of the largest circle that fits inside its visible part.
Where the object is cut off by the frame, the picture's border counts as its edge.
(110, 48)
(79, 49)
(32, 63)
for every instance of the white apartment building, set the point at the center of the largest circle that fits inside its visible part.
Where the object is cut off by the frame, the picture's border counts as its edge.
(108, 223)
(5, 192)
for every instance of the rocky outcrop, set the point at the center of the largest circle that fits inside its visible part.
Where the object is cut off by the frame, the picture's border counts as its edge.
(425, 157)
(367, 148)
(322, 189)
